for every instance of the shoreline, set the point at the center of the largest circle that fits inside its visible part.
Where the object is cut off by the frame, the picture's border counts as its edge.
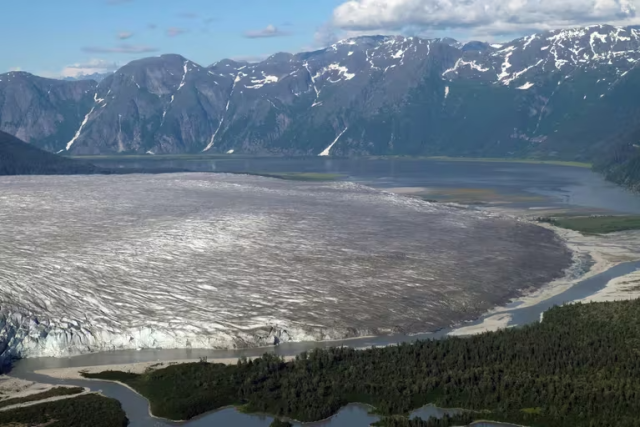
(75, 373)
(225, 156)
(606, 251)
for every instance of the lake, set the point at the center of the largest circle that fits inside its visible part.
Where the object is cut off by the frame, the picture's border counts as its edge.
(558, 186)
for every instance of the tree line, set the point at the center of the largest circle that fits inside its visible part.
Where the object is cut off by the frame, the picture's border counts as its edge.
(580, 367)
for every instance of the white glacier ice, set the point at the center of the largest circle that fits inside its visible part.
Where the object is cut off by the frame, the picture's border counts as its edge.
(96, 263)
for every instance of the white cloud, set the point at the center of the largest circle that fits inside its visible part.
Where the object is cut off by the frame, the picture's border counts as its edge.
(90, 67)
(123, 48)
(269, 31)
(123, 35)
(250, 58)
(480, 16)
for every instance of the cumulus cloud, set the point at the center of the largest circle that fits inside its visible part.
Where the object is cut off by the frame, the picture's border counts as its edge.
(269, 31)
(482, 16)
(175, 31)
(123, 48)
(250, 58)
(92, 66)
(123, 35)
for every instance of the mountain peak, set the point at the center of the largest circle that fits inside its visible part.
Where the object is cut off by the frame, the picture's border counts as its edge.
(229, 63)
(352, 90)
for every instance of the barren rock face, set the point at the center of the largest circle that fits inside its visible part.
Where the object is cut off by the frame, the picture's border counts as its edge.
(91, 263)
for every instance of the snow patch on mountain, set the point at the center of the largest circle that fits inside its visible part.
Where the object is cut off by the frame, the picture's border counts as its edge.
(327, 150)
(79, 131)
(526, 86)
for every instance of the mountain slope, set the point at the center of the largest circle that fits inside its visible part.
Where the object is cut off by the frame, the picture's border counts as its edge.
(45, 112)
(20, 158)
(366, 95)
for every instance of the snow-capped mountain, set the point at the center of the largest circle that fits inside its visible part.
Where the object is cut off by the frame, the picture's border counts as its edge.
(366, 95)
(563, 51)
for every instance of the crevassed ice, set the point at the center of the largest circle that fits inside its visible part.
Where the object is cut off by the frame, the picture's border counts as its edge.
(91, 263)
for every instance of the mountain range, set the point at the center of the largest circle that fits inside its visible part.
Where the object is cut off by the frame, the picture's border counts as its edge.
(567, 94)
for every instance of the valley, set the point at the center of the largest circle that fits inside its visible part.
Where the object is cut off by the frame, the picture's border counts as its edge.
(339, 236)
(511, 191)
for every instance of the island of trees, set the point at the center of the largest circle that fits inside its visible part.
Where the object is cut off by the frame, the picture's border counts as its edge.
(580, 367)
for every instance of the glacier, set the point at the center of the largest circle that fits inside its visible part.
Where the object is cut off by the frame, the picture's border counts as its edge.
(101, 263)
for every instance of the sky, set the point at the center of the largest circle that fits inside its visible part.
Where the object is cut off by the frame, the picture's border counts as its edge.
(70, 37)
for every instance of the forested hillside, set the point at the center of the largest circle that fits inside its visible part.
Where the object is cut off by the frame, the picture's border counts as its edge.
(20, 158)
(577, 368)
(620, 161)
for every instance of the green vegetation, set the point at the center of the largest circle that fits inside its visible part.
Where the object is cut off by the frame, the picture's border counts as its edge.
(528, 161)
(476, 196)
(188, 157)
(578, 368)
(20, 158)
(596, 224)
(54, 392)
(499, 160)
(82, 411)
(620, 163)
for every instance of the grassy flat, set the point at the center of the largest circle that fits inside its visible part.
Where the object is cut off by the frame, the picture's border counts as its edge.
(472, 196)
(200, 156)
(487, 160)
(508, 160)
(597, 224)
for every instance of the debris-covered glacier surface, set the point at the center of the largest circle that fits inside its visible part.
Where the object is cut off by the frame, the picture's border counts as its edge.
(95, 263)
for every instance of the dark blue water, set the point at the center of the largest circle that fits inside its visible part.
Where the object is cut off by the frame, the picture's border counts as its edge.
(561, 186)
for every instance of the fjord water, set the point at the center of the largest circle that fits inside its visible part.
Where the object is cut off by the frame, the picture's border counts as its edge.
(559, 186)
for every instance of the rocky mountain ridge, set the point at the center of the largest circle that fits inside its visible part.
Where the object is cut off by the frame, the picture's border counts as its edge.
(368, 95)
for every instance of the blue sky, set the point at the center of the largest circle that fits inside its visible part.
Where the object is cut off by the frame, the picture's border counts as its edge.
(66, 37)
(57, 34)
